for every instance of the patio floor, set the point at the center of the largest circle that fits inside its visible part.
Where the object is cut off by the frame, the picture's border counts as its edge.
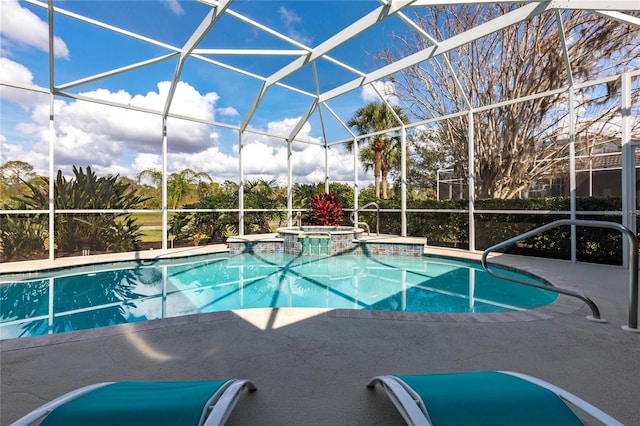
(311, 366)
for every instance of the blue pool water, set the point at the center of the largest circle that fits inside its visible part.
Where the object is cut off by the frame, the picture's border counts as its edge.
(103, 295)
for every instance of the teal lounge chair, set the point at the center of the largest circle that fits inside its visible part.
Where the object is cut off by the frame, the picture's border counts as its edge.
(143, 403)
(496, 398)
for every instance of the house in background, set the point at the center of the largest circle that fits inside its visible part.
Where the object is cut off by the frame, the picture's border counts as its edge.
(598, 174)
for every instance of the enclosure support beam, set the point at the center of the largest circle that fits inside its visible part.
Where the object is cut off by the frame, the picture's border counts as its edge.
(403, 179)
(165, 218)
(52, 136)
(289, 185)
(523, 13)
(355, 181)
(472, 184)
(572, 170)
(628, 164)
(240, 186)
(52, 205)
(326, 166)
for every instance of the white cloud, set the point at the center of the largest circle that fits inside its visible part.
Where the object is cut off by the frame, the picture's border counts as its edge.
(24, 28)
(140, 131)
(174, 6)
(146, 161)
(386, 89)
(288, 16)
(218, 165)
(262, 160)
(284, 128)
(24, 152)
(3, 155)
(15, 72)
(290, 19)
(108, 137)
(186, 100)
(118, 141)
(19, 74)
(227, 111)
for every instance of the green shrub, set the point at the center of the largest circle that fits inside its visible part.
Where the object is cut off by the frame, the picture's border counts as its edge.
(446, 228)
(23, 237)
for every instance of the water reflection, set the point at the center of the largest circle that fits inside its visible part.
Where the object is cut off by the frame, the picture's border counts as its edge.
(100, 296)
(23, 301)
(68, 303)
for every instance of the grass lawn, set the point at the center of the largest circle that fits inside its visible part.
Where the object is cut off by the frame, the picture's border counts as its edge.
(151, 236)
(150, 220)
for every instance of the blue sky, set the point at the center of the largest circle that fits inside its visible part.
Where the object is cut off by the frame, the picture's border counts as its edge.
(113, 140)
(114, 34)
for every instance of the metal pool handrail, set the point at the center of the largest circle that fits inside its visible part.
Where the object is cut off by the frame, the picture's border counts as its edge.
(372, 203)
(633, 266)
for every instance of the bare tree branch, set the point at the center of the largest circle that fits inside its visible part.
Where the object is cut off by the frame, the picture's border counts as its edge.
(512, 140)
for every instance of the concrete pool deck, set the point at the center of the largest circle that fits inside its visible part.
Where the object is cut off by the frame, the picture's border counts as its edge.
(311, 366)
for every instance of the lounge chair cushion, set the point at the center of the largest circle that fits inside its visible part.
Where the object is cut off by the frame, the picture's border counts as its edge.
(489, 398)
(138, 403)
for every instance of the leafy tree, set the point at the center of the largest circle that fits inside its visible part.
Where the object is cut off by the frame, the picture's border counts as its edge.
(424, 159)
(15, 171)
(21, 236)
(154, 189)
(12, 175)
(371, 118)
(514, 142)
(154, 175)
(367, 195)
(259, 194)
(343, 191)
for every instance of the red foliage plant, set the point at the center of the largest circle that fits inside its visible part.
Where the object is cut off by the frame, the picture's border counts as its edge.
(326, 209)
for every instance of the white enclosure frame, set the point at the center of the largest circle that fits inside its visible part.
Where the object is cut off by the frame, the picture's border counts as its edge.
(304, 55)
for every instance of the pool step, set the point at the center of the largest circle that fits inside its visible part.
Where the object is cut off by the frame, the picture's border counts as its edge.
(315, 244)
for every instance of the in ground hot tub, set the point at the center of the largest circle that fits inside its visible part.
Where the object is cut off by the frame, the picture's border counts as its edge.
(319, 240)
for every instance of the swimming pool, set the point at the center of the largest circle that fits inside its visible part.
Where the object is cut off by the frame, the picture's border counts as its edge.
(103, 295)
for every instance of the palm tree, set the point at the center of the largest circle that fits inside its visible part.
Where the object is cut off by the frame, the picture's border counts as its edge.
(179, 184)
(262, 194)
(371, 118)
(302, 193)
(391, 160)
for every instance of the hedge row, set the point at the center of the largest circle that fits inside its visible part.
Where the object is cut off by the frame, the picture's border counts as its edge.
(594, 245)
